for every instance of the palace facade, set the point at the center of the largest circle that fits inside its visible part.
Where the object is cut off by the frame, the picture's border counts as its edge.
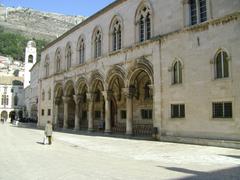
(151, 66)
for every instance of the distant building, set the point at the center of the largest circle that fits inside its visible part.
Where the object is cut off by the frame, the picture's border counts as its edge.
(11, 97)
(11, 88)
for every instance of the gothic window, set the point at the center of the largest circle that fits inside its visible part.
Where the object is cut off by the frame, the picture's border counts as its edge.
(198, 11)
(49, 94)
(221, 65)
(116, 35)
(97, 41)
(81, 51)
(30, 58)
(177, 73)
(58, 60)
(144, 23)
(46, 65)
(69, 56)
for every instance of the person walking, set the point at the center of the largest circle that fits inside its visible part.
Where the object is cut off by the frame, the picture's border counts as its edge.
(48, 132)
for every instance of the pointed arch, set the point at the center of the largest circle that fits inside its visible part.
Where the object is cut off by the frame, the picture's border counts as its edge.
(177, 71)
(58, 90)
(81, 48)
(81, 85)
(221, 64)
(140, 65)
(114, 72)
(116, 33)
(46, 65)
(97, 42)
(58, 59)
(68, 55)
(94, 80)
(144, 21)
(69, 88)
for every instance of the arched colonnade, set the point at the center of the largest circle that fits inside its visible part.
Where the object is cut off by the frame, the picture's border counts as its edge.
(121, 101)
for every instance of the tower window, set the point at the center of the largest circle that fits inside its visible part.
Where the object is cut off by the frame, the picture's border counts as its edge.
(30, 58)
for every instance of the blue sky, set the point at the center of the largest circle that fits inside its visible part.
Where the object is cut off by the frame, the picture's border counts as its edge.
(68, 7)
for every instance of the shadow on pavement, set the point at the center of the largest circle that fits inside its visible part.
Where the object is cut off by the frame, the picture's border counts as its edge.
(231, 156)
(40, 143)
(229, 173)
(93, 134)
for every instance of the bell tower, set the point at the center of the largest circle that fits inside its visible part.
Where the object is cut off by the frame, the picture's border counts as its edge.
(30, 60)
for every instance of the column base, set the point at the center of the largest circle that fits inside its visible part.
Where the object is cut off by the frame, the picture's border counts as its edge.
(130, 133)
(76, 129)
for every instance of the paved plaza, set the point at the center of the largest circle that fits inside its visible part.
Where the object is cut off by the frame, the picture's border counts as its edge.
(70, 157)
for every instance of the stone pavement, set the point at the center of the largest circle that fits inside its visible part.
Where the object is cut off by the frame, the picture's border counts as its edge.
(70, 157)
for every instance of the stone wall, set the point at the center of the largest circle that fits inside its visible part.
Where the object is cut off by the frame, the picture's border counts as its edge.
(38, 24)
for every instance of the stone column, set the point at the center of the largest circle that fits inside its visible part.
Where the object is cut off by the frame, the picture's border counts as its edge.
(107, 96)
(65, 118)
(77, 120)
(90, 98)
(81, 98)
(129, 122)
(57, 102)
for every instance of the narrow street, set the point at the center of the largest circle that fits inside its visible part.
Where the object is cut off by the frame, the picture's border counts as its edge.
(70, 157)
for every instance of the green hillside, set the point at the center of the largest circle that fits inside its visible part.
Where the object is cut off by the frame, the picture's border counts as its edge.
(12, 44)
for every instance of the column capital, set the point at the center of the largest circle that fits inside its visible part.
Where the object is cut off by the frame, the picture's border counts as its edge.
(91, 96)
(107, 95)
(76, 99)
(128, 92)
(66, 99)
(151, 86)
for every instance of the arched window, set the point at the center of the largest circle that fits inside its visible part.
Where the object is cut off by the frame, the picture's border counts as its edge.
(97, 42)
(49, 94)
(81, 49)
(116, 34)
(177, 73)
(69, 55)
(30, 58)
(144, 23)
(221, 65)
(46, 65)
(58, 60)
